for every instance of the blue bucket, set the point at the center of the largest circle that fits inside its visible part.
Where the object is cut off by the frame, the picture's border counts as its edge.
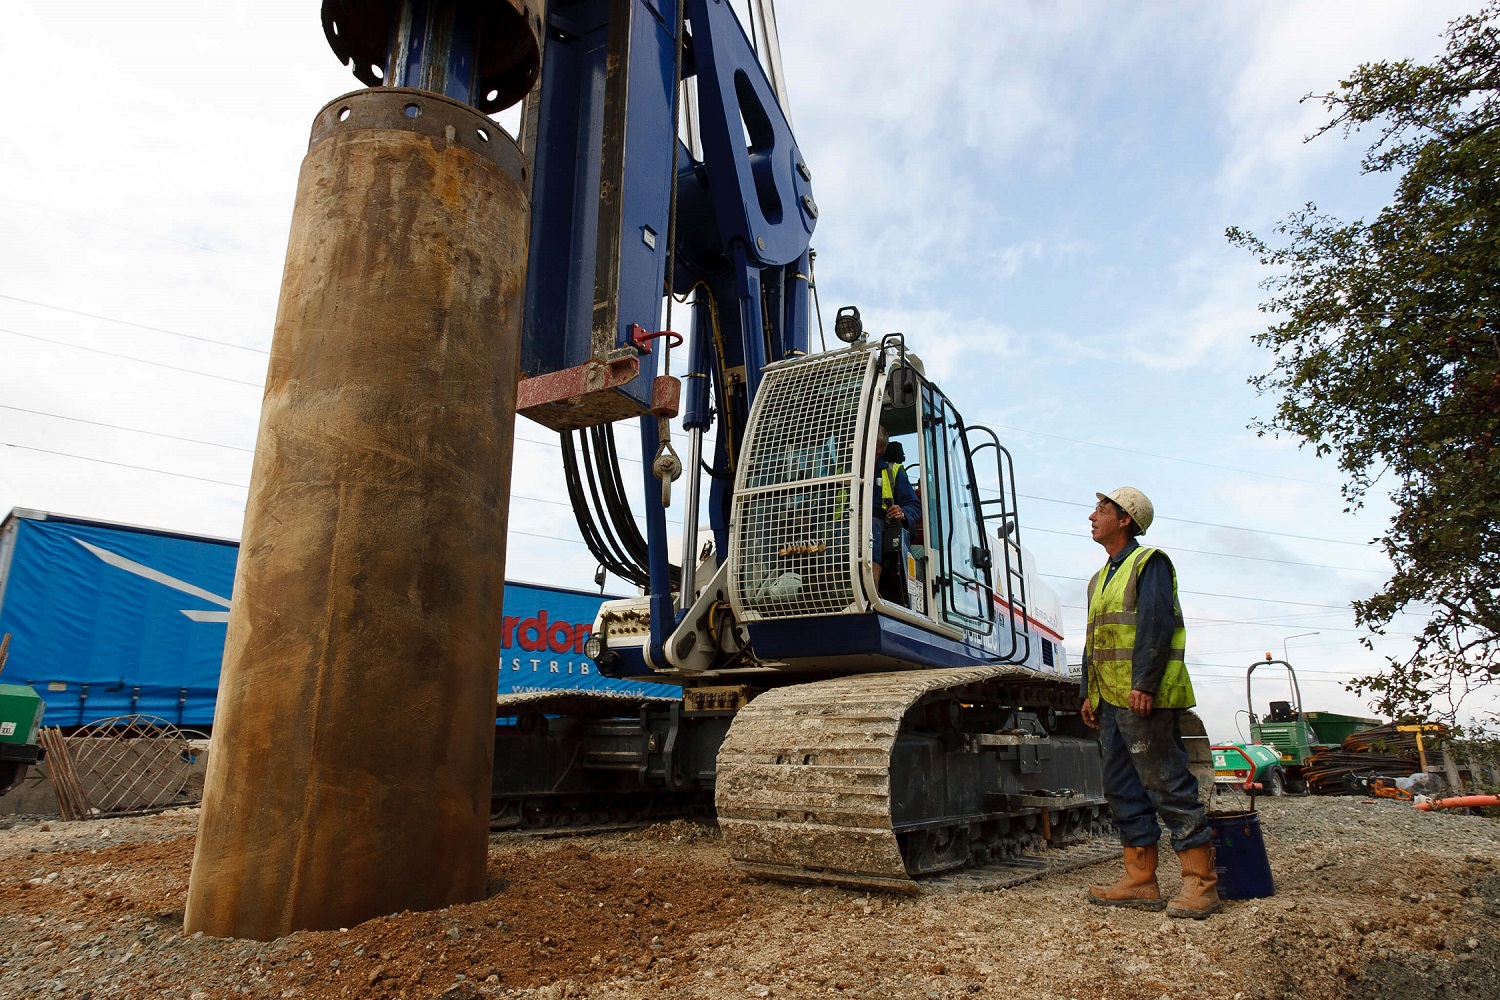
(1240, 856)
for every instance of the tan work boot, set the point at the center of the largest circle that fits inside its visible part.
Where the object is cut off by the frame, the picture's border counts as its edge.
(1200, 884)
(1138, 888)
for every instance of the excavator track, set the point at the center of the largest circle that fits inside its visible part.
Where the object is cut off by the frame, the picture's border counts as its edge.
(826, 782)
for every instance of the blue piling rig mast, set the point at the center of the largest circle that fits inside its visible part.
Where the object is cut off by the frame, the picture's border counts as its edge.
(663, 168)
(619, 202)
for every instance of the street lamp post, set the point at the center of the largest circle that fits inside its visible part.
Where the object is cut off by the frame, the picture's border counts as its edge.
(1299, 635)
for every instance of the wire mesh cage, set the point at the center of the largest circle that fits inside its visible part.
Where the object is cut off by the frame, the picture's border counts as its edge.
(132, 763)
(797, 499)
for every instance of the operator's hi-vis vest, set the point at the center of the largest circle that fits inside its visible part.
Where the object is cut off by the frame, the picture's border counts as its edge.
(888, 482)
(1109, 642)
(887, 491)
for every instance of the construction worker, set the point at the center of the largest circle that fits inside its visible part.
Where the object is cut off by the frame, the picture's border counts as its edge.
(1135, 686)
(895, 501)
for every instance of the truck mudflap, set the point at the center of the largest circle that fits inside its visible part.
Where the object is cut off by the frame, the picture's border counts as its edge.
(875, 780)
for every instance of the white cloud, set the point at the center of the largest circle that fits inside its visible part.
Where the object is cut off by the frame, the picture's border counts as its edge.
(1290, 49)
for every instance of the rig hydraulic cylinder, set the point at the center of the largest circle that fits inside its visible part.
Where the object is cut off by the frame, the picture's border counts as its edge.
(349, 774)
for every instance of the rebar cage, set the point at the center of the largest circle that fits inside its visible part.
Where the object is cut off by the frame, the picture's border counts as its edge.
(799, 497)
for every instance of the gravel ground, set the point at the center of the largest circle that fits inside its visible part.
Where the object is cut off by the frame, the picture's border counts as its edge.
(1374, 900)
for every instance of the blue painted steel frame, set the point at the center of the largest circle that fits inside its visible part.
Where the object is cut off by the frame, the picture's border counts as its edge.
(762, 194)
(811, 641)
(601, 215)
(413, 49)
(602, 183)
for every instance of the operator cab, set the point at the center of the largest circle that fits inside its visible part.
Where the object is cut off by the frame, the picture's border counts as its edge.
(816, 565)
(798, 589)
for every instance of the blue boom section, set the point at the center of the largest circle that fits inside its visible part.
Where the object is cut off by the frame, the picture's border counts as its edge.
(602, 184)
(615, 195)
(111, 620)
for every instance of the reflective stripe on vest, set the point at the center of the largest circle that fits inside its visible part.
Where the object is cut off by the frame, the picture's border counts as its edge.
(1109, 641)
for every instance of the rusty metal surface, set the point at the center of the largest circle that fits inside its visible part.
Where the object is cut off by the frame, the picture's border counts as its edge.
(446, 122)
(510, 32)
(803, 785)
(350, 770)
(583, 396)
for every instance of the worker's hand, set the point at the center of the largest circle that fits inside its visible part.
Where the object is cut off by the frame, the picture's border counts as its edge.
(1141, 702)
(1089, 718)
(895, 513)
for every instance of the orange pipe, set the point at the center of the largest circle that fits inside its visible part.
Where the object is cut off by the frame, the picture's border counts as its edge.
(1461, 802)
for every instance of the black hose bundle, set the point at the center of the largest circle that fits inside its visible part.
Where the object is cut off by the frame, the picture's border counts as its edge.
(602, 509)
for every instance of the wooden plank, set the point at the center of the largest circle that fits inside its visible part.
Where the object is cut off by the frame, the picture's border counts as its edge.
(72, 802)
(1451, 768)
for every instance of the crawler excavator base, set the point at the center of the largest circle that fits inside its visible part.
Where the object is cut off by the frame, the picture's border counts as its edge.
(878, 780)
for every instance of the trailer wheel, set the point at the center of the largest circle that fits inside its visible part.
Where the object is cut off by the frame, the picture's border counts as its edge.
(1276, 783)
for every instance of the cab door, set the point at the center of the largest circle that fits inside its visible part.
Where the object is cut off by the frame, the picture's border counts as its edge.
(962, 581)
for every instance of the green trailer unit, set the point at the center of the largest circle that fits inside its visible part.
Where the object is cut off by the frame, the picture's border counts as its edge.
(1297, 735)
(1249, 767)
(20, 726)
(1332, 728)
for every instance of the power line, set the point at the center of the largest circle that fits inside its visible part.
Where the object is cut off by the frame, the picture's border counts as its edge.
(560, 538)
(138, 232)
(1200, 668)
(1202, 621)
(1300, 645)
(122, 427)
(128, 357)
(183, 475)
(124, 465)
(1165, 458)
(564, 503)
(1275, 621)
(138, 326)
(554, 538)
(680, 436)
(1205, 593)
(1228, 555)
(1242, 668)
(1207, 524)
(243, 486)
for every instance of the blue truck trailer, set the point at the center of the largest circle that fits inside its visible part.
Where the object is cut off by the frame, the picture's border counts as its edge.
(112, 619)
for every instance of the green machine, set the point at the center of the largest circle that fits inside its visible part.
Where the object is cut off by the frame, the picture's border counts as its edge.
(21, 711)
(1249, 767)
(1297, 735)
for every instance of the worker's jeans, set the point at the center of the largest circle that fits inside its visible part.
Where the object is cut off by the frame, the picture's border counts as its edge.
(1146, 775)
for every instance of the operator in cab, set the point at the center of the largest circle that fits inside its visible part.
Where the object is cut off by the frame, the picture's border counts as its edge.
(1135, 686)
(895, 503)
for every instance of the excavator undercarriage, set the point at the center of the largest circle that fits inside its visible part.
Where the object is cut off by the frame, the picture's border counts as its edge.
(872, 781)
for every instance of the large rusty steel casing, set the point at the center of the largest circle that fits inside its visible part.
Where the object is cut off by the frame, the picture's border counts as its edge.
(354, 734)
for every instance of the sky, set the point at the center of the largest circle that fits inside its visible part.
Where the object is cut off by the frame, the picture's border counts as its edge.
(1034, 193)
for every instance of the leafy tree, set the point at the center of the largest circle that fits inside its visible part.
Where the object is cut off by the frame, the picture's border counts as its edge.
(1387, 353)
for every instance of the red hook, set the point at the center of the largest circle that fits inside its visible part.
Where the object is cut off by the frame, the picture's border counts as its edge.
(642, 340)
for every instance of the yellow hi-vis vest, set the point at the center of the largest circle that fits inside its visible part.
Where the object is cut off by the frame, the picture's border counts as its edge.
(1109, 642)
(888, 482)
(887, 490)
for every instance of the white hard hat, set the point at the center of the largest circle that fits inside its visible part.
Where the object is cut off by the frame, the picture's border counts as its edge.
(1135, 503)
